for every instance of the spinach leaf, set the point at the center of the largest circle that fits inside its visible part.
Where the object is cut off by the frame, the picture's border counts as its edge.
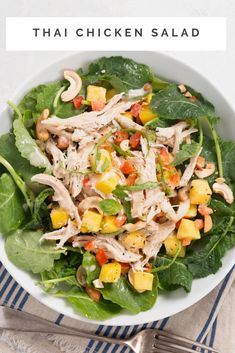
(222, 209)
(46, 97)
(177, 275)
(21, 165)
(40, 217)
(187, 151)
(11, 210)
(122, 73)
(89, 308)
(28, 148)
(120, 151)
(158, 122)
(91, 267)
(110, 206)
(205, 256)
(122, 196)
(171, 104)
(123, 294)
(228, 160)
(29, 101)
(25, 251)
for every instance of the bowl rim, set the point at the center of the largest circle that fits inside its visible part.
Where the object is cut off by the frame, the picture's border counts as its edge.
(129, 318)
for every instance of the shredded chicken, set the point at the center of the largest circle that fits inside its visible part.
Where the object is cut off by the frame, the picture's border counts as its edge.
(63, 234)
(189, 170)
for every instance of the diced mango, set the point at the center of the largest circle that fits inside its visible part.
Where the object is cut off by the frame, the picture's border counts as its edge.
(128, 115)
(142, 281)
(200, 192)
(109, 225)
(59, 218)
(107, 182)
(91, 222)
(134, 240)
(110, 273)
(172, 244)
(149, 97)
(187, 229)
(104, 163)
(146, 114)
(96, 94)
(110, 93)
(192, 212)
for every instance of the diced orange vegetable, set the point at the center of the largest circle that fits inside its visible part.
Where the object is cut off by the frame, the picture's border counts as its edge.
(86, 182)
(166, 157)
(185, 242)
(135, 139)
(131, 179)
(175, 179)
(125, 267)
(120, 136)
(135, 109)
(178, 223)
(204, 210)
(93, 293)
(199, 224)
(147, 87)
(77, 102)
(89, 246)
(127, 167)
(101, 257)
(120, 220)
(97, 106)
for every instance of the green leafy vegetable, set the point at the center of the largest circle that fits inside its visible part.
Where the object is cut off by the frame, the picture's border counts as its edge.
(174, 275)
(120, 151)
(221, 209)
(25, 251)
(171, 104)
(187, 151)
(28, 148)
(19, 182)
(123, 294)
(110, 206)
(149, 185)
(11, 210)
(88, 307)
(205, 256)
(122, 196)
(91, 267)
(122, 73)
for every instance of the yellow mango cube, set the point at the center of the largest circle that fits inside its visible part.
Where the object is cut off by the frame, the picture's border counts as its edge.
(107, 182)
(187, 229)
(149, 97)
(96, 94)
(200, 192)
(109, 225)
(142, 281)
(110, 273)
(146, 114)
(110, 93)
(128, 115)
(134, 240)
(172, 244)
(104, 163)
(192, 212)
(91, 222)
(59, 217)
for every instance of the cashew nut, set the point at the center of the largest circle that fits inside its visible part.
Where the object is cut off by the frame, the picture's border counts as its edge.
(220, 180)
(205, 172)
(224, 190)
(182, 88)
(41, 132)
(183, 194)
(75, 85)
(208, 224)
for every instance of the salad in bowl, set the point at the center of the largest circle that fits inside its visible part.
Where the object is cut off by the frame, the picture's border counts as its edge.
(114, 185)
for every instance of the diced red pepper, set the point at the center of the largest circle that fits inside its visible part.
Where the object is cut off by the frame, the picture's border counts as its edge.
(124, 267)
(131, 179)
(148, 267)
(185, 242)
(120, 220)
(199, 224)
(97, 106)
(101, 257)
(127, 167)
(77, 102)
(120, 136)
(135, 139)
(178, 224)
(135, 110)
(175, 179)
(93, 293)
(166, 157)
(89, 246)
(86, 182)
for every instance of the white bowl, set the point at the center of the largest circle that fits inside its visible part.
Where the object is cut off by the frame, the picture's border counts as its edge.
(168, 68)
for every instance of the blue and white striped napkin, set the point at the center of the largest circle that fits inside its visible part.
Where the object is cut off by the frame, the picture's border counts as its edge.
(200, 322)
